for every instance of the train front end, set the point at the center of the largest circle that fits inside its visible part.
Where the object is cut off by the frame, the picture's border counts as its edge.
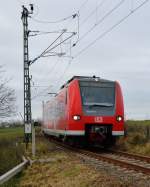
(101, 115)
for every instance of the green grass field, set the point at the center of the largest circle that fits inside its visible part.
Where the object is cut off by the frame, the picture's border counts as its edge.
(138, 122)
(11, 149)
(10, 133)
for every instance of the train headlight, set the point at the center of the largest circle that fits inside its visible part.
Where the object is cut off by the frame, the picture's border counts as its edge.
(119, 118)
(76, 117)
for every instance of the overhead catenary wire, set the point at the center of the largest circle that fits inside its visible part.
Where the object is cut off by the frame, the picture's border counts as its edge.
(70, 46)
(83, 5)
(69, 63)
(56, 21)
(53, 67)
(93, 12)
(61, 76)
(47, 48)
(78, 17)
(79, 25)
(34, 97)
(110, 29)
(47, 51)
(59, 55)
(49, 87)
(132, 5)
(65, 70)
(37, 33)
(101, 20)
(39, 86)
(63, 19)
(103, 34)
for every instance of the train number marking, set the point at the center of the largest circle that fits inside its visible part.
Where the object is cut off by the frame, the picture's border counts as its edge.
(98, 119)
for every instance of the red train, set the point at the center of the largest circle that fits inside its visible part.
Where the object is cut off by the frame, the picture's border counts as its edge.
(87, 110)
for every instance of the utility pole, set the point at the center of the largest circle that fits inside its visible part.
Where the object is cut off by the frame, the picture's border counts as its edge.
(28, 126)
(27, 92)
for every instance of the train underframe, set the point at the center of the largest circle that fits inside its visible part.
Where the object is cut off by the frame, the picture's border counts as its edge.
(95, 135)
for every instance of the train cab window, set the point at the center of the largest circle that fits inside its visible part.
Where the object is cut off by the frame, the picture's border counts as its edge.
(98, 98)
(98, 95)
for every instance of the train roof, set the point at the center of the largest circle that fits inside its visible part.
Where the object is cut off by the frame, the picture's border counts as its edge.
(85, 78)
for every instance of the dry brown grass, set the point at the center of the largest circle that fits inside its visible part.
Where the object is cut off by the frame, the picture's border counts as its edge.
(138, 138)
(66, 171)
(142, 149)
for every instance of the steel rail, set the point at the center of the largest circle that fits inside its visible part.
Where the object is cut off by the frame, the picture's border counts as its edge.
(131, 155)
(99, 156)
(121, 163)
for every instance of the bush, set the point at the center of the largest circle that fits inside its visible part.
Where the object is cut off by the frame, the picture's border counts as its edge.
(137, 138)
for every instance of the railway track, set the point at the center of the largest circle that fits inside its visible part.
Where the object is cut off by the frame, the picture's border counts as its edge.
(123, 160)
(131, 162)
(131, 155)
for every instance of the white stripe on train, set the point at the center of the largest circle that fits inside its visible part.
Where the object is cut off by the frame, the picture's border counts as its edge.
(117, 133)
(64, 132)
(75, 132)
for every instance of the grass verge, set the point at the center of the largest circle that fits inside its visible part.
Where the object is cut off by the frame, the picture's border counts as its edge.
(11, 151)
(137, 139)
(63, 169)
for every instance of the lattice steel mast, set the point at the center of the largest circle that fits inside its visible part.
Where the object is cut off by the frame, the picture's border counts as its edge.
(27, 92)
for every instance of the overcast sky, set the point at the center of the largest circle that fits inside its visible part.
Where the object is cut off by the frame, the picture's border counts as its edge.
(123, 54)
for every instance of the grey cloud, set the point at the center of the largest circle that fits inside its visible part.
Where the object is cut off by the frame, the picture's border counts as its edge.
(122, 55)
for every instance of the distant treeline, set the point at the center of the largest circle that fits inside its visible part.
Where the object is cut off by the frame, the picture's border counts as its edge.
(17, 124)
(138, 122)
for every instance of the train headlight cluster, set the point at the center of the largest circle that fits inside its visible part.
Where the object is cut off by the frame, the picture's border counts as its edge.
(76, 117)
(119, 118)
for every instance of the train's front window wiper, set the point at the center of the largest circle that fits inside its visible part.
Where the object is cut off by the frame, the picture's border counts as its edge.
(92, 104)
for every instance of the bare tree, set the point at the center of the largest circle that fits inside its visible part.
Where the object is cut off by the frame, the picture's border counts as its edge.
(7, 97)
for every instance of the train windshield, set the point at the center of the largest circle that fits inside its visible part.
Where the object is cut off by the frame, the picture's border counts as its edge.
(98, 98)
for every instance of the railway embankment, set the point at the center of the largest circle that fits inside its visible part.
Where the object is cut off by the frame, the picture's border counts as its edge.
(55, 166)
